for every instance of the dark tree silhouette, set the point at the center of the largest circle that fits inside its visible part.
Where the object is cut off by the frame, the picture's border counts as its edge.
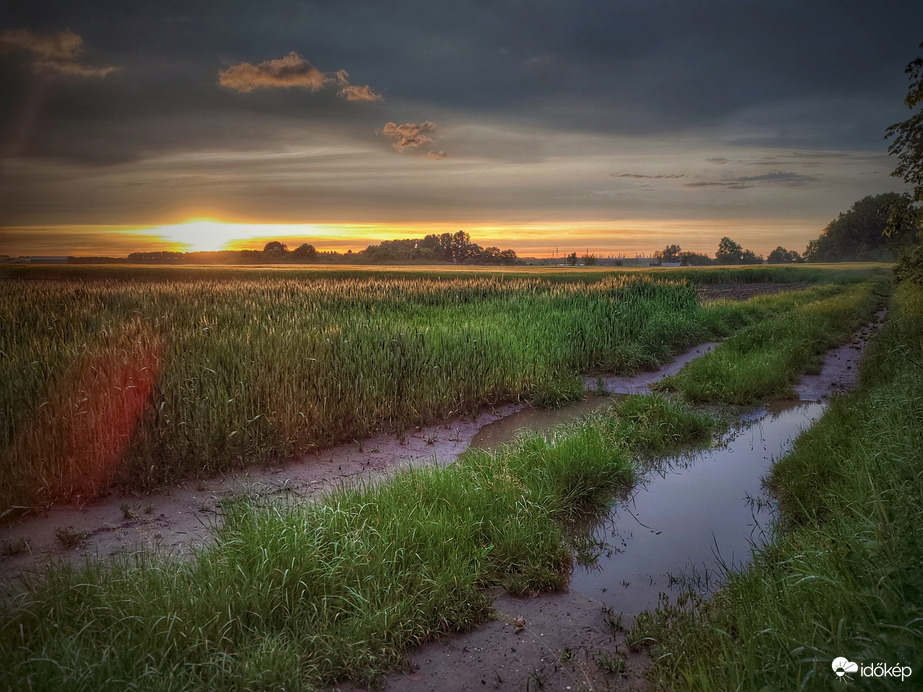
(729, 252)
(670, 254)
(783, 256)
(859, 233)
(304, 253)
(907, 145)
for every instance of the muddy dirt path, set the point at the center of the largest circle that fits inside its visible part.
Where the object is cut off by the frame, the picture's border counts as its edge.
(176, 518)
(574, 640)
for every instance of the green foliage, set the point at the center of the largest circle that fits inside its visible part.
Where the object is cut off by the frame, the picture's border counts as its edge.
(908, 135)
(144, 376)
(656, 424)
(559, 392)
(765, 359)
(909, 265)
(859, 233)
(151, 380)
(841, 576)
(303, 595)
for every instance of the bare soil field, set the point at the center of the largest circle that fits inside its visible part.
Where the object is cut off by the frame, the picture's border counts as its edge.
(744, 291)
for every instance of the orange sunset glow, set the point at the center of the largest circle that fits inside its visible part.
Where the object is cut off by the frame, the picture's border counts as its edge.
(628, 237)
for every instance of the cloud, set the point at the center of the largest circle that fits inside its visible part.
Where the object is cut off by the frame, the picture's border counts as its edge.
(437, 154)
(354, 92)
(53, 52)
(648, 177)
(409, 135)
(292, 71)
(786, 179)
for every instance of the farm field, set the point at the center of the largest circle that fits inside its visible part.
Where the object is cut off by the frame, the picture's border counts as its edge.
(146, 377)
(305, 595)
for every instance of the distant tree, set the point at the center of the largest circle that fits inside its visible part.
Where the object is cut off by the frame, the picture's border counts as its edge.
(275, 246)
(155, 257)
(782, 256)
(907, 145)
(750, 257)
(304, 253)
(508, 257)
(694, 259)
(590, 260)
(729, 252)
(572, 259)
(859, 233)
(669, 254)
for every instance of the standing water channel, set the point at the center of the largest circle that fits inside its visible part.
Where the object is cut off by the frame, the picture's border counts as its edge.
(689, 517)
(692, 517)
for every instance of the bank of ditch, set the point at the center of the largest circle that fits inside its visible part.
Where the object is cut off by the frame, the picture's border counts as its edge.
(841, 577)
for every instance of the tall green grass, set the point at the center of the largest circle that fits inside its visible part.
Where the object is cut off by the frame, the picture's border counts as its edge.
(842, 576)
(765, 359)
(144, 382)
(144, 376)
(294, 596)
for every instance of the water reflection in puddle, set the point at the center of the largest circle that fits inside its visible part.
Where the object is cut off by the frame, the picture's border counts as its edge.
(539, 420)
(692, 515)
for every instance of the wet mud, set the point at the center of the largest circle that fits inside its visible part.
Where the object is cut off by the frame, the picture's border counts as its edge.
(176, 519)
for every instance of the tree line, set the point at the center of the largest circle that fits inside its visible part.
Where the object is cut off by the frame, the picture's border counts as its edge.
(877, 228)
(454, 248)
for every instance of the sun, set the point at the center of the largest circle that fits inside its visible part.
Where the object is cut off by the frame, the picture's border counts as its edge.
(205, 235)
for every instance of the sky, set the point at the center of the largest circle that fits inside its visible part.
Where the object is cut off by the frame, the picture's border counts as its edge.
(614, 126)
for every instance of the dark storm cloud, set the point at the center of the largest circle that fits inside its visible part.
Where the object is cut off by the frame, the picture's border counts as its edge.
(628, 67)
(641, 176)
(773, 178)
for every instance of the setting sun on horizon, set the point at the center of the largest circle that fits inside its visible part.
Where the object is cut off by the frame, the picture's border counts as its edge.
(603, 238)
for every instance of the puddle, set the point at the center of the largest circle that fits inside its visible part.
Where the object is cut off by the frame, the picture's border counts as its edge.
(539, 420)
(692, 517)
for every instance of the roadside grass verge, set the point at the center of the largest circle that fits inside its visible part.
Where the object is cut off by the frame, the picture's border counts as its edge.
(767, 357)
(842, 575)
(297, 595)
